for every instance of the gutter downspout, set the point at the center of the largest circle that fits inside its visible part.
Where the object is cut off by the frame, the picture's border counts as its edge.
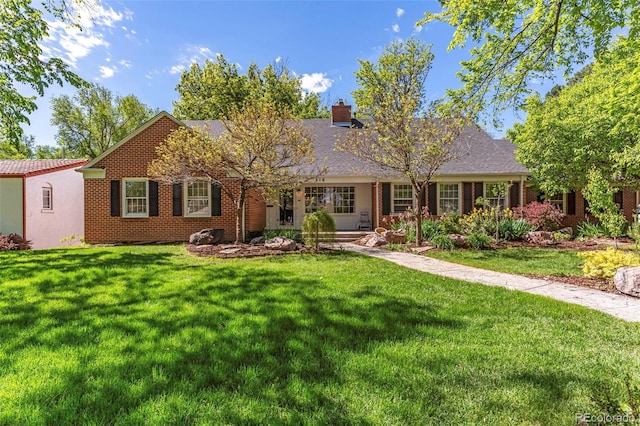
(521, 191)
(24, 207)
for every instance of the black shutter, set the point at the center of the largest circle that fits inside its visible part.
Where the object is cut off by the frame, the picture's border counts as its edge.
(216, 200)
(115, 198)
(153, 198)
(177, 199)
(514, 195)
(467, 197)
(386, 198)
(433, 199)
(571, 203)
(617, 198)
(478, 191)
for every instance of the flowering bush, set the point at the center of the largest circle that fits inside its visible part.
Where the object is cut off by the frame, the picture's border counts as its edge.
(605, 263)
(543, 216)
(13, 242)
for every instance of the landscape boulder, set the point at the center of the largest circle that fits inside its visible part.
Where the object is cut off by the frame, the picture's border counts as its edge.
(373, 240)
(540, 238)
(395, 237)
(207, 237)
(460, 241)
(627, 280)
(280, 243)
(257, 241)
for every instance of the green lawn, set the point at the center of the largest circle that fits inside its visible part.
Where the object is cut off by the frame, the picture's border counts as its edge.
(516, 260)
(152, 335)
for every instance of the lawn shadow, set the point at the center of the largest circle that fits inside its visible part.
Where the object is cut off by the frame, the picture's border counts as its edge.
(226, 335)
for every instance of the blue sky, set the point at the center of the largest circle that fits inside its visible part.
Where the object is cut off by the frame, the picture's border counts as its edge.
(140, 47)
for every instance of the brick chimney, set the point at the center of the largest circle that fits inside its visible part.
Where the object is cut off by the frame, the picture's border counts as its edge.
(341, 114)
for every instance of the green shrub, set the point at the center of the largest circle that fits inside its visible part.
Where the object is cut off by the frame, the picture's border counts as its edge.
(443, 242)
(450, 224)
(605, 263)
(430, 228)
(287, 233)
(614, 403)
(318, 226)
(514, 229)
(396, 247)
(588, 229)
(479, 241)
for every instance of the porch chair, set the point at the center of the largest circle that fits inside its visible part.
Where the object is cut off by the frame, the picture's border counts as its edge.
(364, 224)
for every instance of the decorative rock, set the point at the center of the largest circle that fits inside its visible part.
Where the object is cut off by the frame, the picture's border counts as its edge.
(627, 280)
(395, 237)
(540, 238)
(230, 250)
(257, 241)
(207, 236)
(280, 243)
(567, 231)
(460, 241)
(375, 240)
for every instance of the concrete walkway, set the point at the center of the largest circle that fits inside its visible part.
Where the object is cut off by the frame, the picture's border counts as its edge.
(620, 306)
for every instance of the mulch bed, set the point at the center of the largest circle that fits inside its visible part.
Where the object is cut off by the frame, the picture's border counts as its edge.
(227, 251)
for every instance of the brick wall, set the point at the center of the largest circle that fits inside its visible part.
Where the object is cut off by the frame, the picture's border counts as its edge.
(131, 160)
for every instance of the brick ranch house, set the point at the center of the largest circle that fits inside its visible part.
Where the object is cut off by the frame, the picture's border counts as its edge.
(41, 200)
(123, 205)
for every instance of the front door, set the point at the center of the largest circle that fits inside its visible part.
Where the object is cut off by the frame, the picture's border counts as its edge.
(286, 208)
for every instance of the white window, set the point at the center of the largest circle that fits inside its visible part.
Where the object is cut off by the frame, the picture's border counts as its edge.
(198, 198)
(47, 198)
(334, 199)
(449, 198)
(557, 200)
(491, 194)
(135, 198)
(402, 198)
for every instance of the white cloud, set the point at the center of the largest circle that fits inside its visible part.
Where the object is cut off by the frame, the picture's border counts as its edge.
(125, 63)
(315, 82)
(399, 12)
(395, 28)
(176, 69)
(190, 54)
(278, 59)
(106, 72)
(70, 43)
(418, 28)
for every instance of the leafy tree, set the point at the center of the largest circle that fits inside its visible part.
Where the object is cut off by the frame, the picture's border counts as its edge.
(392, 93)
(592, 123)
(26, 148)
(261, 150)
(318, 226)
(22, 64)
(93, 120)
(516, 42)
(599, 193)
(213, 91)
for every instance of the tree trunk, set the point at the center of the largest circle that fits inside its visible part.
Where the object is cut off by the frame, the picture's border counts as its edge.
(239, 209)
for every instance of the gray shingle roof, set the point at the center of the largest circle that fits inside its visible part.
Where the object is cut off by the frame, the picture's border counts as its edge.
(480, 153)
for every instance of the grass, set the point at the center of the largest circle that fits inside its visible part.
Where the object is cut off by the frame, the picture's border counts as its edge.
(152, 335)
(516, 260)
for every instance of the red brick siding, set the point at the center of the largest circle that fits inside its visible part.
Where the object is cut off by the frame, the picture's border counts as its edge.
(131, 160)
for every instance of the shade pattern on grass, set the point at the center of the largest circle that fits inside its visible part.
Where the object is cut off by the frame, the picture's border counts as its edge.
(153, 335)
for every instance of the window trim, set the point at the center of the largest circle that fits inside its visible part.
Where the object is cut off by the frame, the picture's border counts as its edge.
(185, 198)
(563, 207)
(125, 213)
(393, 198)
(47, 188)
(352, 207)
(440, 212)
(505, 200)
